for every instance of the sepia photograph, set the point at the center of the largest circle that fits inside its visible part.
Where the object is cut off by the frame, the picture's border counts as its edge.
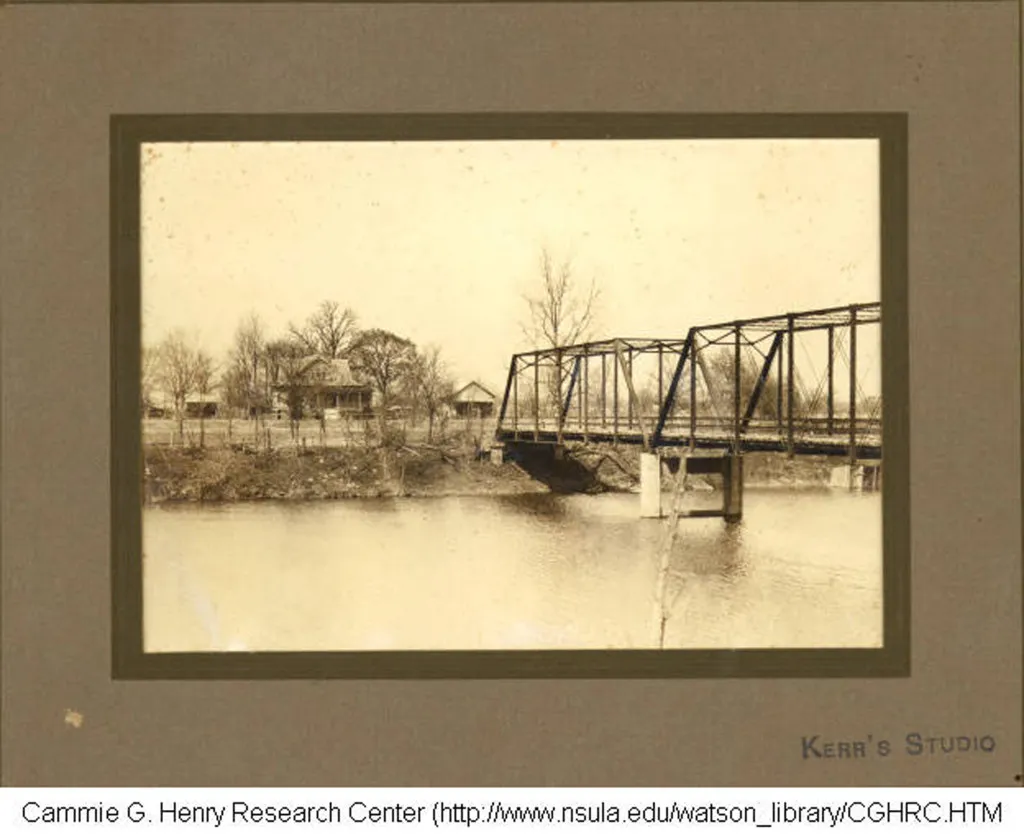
(511, 395)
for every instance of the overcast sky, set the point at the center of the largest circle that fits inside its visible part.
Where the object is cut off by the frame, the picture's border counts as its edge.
(438, 241)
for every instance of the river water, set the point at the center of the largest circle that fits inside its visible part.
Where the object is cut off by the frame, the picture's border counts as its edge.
(803, 569)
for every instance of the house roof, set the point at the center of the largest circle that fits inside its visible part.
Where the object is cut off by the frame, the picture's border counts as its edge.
(335, 373)
(473, 392)
(208, 397)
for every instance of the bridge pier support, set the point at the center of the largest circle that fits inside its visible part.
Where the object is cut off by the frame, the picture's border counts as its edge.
(863, 476)
(650, 485)
(872, 478)
(732, 478)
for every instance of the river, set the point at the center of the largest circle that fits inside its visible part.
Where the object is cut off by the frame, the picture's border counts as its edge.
(802, 570)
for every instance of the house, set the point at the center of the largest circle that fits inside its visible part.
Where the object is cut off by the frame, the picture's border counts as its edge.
(207, 406)
(159, 405)
(328, 385)
(473, 400)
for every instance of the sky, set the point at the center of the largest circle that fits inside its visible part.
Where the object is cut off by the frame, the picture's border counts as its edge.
(439, 241)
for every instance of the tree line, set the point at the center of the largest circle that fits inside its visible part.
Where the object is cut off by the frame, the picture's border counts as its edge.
(261, 369)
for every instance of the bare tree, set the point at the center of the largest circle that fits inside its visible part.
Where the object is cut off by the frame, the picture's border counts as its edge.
(329, 331)
(432, 386)
(150, 373)
(385, 359)
(247, 357)
(177, 374)
(563, 309)
(288, 366)
(235, 392)
(561, 313)
(721, 385)
(203, 376)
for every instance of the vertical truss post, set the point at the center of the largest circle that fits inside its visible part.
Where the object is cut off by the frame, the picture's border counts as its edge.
(628, 371)
(853, 386)
(615, 402)
(585, 410)
(515, 400)
(781, 384)
(736, 362)
(559, 411)
(604, 389)
(693, 389)
(661, 375)
(536, 396)
(831, 377)
(581, 367)
(790, 381)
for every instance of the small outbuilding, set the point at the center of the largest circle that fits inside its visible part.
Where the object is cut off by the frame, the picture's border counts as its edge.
(207, 407)
(473, 400)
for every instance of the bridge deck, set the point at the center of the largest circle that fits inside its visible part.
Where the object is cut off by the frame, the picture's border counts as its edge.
(756, 439)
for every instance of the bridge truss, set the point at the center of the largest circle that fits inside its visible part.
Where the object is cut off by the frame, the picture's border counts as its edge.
(792, 382)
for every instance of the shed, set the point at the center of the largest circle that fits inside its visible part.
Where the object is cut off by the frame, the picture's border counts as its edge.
(473, 400)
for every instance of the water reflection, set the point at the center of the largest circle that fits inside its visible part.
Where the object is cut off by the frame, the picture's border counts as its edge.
(532, 571)
(541, 505)
(718, 553)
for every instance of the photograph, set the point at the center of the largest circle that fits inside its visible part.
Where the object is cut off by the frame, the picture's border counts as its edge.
(511, 394)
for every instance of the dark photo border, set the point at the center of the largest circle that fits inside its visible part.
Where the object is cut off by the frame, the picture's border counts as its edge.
(129, 660)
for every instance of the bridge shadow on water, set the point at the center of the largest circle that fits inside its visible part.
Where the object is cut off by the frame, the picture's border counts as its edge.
(541, 505)
(559, 472)
(703, 549)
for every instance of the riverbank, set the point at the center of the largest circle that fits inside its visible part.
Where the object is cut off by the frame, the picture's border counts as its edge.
(764, 469)
(243, 474)
(226, 474)
(618, 470)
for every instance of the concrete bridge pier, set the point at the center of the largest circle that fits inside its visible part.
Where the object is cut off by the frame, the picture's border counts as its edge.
(871, 479)
(650, 485)
(730, 467)
(732, 486)
(862, 476)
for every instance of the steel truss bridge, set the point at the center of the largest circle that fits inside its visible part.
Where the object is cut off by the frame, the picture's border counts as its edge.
(785, 383)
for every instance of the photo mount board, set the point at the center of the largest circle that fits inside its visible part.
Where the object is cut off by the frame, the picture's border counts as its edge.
(67, 70)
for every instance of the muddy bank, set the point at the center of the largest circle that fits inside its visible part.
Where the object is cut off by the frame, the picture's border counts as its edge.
(225, 474)
(773, 469)
(237, 474)
(618, 469)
